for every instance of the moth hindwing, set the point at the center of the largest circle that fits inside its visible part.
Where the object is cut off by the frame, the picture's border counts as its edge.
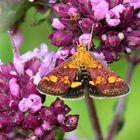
(79, 72)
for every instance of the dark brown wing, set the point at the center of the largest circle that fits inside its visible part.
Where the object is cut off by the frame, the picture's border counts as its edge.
(77, 88)
(106, 82)
(62, 81)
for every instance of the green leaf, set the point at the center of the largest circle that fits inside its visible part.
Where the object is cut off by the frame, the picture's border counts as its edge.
(41, 17)
(96, 41)
(11, 12)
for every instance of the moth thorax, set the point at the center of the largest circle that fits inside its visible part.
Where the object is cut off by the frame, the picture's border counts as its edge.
(81, 49)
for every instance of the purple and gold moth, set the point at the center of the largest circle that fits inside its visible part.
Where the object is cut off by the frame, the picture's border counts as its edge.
(83, 74)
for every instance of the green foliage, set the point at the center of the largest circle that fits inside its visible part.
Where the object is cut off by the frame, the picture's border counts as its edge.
(41, 17)
(96, 41)
(11, 12)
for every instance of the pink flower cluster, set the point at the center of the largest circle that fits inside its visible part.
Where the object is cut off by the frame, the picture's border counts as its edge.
(116, 24)
(22, 113)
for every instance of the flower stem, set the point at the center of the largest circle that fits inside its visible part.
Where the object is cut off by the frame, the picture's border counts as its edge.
(13, 39)
(93, 116)
(122, 101)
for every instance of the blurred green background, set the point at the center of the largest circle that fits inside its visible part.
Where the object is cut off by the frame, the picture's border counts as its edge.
(34, 36)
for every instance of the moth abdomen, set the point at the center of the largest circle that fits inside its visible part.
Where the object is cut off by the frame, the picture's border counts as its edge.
(84, 74)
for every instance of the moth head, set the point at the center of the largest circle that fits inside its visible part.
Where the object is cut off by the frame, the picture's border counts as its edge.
(82, 46)
(82, 67)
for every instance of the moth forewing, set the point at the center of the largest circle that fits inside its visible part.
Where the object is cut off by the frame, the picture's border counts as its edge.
(105, 81)
(62, 81)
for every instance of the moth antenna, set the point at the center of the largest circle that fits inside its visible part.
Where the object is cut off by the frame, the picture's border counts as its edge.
(93, 26)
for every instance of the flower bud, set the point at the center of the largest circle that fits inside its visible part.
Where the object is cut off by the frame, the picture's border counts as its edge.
(86, 25)
(60, 38)
(57, 24)
(70, 123)
(133, 39)
(30, 122)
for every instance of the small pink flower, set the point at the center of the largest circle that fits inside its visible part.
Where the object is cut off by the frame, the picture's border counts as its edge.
(61, 38)
(34, 102)
(29, 72)
(100, 8)
(39, 131)
(62, 54)
(112, 22)
(57, 24)
(61, 118)
(46, 126)
(14, 87)
(85, 38)
(72, 136)
(118, 9)
(113, 16)
(37, 78)
(19, 65)
(73, 51)
(135, 3)
(72, 11)
(23, 105)
(101, 57)
(43, 50)
(17, 37)
(52, 1)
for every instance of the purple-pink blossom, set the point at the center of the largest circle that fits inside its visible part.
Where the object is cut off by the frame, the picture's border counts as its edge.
(57, 24)
(100, 8)
(113, 15)
(111, 22)
(33, 103)
(14, 87)
(61, 38)
(85, 38)
(21, 105)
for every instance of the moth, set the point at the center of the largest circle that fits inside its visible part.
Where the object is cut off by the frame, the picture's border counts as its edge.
(83, 74)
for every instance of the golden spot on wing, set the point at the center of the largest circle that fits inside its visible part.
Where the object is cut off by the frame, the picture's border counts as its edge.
(76, 77)
(99, 66)
(75, 84)
(72, 65)
(65, 80)
(112, 79)
(105, 91)
(94, 65)
(65, 66)
(92, 83)
(99, 79)
(46, 78)
(118, 80)
(53, 78)
(66, 77)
